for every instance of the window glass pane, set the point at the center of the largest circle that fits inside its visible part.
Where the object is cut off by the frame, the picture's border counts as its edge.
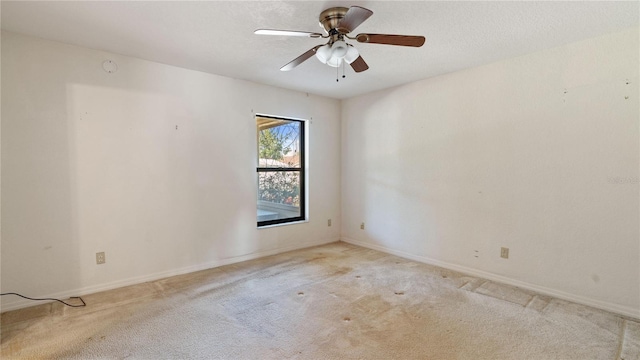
(278, 195)
(278, 143)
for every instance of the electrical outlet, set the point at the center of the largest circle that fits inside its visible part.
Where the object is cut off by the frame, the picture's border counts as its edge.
(329, 222)
(100, 259)
(362, 226)
(504, 252)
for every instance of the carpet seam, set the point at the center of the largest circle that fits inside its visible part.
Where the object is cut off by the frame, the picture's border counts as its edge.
(530, 301)
(621, 342)
(478, 287)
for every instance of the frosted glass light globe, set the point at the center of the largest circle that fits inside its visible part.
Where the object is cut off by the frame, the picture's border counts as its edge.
(339, 49)
(352, 55)
(323, 53)
(334, 61)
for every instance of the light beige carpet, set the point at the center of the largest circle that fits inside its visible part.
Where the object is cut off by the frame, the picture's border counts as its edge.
(331, 302)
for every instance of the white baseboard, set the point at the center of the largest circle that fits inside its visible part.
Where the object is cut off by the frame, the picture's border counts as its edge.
(614, 308)
(23, 303)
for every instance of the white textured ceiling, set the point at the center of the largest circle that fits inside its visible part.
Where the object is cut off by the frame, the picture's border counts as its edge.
(217, 36)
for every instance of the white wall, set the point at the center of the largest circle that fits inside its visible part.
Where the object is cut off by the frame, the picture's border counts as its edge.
(538, 153)
(93, 162)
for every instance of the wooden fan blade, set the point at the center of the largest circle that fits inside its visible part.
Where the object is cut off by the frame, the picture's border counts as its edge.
(355, 16)
(401, 40)
(359, 65)
(287, 33)
(300, 59)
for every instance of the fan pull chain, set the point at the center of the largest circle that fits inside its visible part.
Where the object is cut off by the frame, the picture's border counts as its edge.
(338, 70)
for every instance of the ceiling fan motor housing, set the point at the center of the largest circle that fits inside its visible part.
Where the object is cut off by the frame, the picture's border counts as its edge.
(330, 18)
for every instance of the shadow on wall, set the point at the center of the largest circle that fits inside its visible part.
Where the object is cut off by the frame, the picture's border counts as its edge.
(392, 201)
(158, 173)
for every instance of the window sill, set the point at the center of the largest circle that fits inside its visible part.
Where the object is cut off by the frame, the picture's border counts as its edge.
(283, 224)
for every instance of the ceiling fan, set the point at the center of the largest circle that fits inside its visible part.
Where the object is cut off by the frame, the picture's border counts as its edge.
(338, 22)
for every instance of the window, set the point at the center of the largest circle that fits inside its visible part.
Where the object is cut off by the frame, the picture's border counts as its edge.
(281, 180)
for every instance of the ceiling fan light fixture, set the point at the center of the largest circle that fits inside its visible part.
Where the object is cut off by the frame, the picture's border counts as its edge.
(334, 54)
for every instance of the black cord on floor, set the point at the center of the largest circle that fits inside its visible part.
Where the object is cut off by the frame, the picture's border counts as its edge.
(49, 299)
